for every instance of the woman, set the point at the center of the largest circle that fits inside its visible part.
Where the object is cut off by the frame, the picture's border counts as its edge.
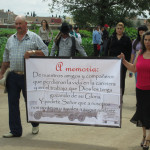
(136, 45)
(79, 39)
(44, 32)
(142, 66)
(118, 43)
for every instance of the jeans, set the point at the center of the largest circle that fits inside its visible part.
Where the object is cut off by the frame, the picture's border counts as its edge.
(15, 84)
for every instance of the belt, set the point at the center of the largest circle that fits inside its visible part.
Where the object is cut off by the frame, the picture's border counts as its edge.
(19, 72)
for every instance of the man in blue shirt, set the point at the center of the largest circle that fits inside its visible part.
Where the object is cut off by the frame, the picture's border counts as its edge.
(96, 41)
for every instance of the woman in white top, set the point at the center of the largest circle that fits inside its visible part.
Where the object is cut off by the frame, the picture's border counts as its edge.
(44, 32)
(79, 39)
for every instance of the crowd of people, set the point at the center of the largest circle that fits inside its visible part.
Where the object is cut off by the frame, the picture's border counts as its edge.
(135, 57)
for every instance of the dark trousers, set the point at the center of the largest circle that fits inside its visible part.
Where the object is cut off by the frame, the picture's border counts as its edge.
(15, 84)
(123, 77)
(96, 52)
(105, 41)
(46, 42)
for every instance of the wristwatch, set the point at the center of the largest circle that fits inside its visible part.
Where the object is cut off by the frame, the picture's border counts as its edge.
(33, 52)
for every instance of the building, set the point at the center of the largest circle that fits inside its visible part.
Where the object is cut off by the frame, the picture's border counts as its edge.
(6, 17)
(37, 20)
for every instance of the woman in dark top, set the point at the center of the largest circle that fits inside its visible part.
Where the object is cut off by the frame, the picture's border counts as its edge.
(119, 43)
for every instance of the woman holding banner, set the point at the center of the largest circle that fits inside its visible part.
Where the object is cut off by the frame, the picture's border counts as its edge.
(142, 66)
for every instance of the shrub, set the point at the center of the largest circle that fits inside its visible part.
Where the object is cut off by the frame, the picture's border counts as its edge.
(3, 41)
(6, 32)
(131, 32)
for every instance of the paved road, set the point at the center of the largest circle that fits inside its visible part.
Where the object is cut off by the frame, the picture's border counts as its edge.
(70, 137)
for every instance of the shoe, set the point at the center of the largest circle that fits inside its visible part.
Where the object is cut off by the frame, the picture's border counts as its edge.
(143, 140)
(8, 135)
(146, 145)
(35, 130)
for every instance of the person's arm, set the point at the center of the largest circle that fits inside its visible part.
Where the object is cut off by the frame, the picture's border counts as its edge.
(40, 32)
(128, 49)
(131, 67)
(132, 58)
(41, 48)
(33, 53)
(54, 47)
(6, 61)
(108, 47)
(79, 38)
(132, 53)
(4, 67)
(80, 49)
(51, 35)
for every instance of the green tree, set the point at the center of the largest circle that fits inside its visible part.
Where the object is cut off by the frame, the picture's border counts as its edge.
(96, 12)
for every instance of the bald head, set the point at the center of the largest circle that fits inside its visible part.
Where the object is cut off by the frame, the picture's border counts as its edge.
(23, 18)
(21, 24)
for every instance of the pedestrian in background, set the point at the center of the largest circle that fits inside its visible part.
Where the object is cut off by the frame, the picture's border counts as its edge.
(96, 41)
(105, 37)
(79, 39)
(44, 32)
(119, 43)
(66, 44)
(141, 65)
(136, 46)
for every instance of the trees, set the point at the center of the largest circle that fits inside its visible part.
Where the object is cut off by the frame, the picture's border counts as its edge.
(101, 11)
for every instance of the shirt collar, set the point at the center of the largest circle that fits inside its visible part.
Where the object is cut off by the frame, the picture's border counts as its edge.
(26, 36)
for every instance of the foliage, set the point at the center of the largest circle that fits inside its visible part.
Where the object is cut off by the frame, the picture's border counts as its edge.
(94, 12)
(3, 41)
(86, 38)
(6, 32)
(85, 33)
(34, 27)
(131, 32)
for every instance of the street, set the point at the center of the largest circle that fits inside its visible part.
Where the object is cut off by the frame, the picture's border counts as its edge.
(71, 137)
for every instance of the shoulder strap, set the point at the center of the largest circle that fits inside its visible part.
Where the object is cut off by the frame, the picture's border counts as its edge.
(57, 44)
(73, 49)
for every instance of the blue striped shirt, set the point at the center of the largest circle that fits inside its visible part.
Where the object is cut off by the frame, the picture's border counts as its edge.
(96, 37)
(15, 49)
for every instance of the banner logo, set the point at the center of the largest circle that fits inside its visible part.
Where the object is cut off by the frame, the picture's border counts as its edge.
(59, 66)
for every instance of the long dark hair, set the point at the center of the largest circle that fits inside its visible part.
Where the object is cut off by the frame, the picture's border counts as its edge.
(47, 26)
(142, 41)
(138, 39)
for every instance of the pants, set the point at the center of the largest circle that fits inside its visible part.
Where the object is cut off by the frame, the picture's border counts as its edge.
(96, 52)
(46, 42)
(105, 41)
(15, 84)
(123, 77)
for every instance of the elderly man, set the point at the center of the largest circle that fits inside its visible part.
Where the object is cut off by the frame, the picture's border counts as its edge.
(21, 45)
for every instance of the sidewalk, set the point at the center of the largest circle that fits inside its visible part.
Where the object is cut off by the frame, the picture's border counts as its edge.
(71, 137)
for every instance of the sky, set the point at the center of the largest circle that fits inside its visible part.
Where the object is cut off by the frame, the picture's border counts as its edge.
(21, 7)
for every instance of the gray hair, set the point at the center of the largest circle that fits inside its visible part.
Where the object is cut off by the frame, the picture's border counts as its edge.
(23, 18)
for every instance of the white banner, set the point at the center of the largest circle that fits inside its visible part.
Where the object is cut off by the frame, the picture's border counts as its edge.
(73, 91)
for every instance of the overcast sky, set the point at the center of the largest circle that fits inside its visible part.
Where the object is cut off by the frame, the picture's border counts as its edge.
(21, 7)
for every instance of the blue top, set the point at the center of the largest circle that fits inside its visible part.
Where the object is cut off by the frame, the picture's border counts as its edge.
(96, 37)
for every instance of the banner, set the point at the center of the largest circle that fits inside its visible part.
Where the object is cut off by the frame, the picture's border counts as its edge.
(73, 91)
